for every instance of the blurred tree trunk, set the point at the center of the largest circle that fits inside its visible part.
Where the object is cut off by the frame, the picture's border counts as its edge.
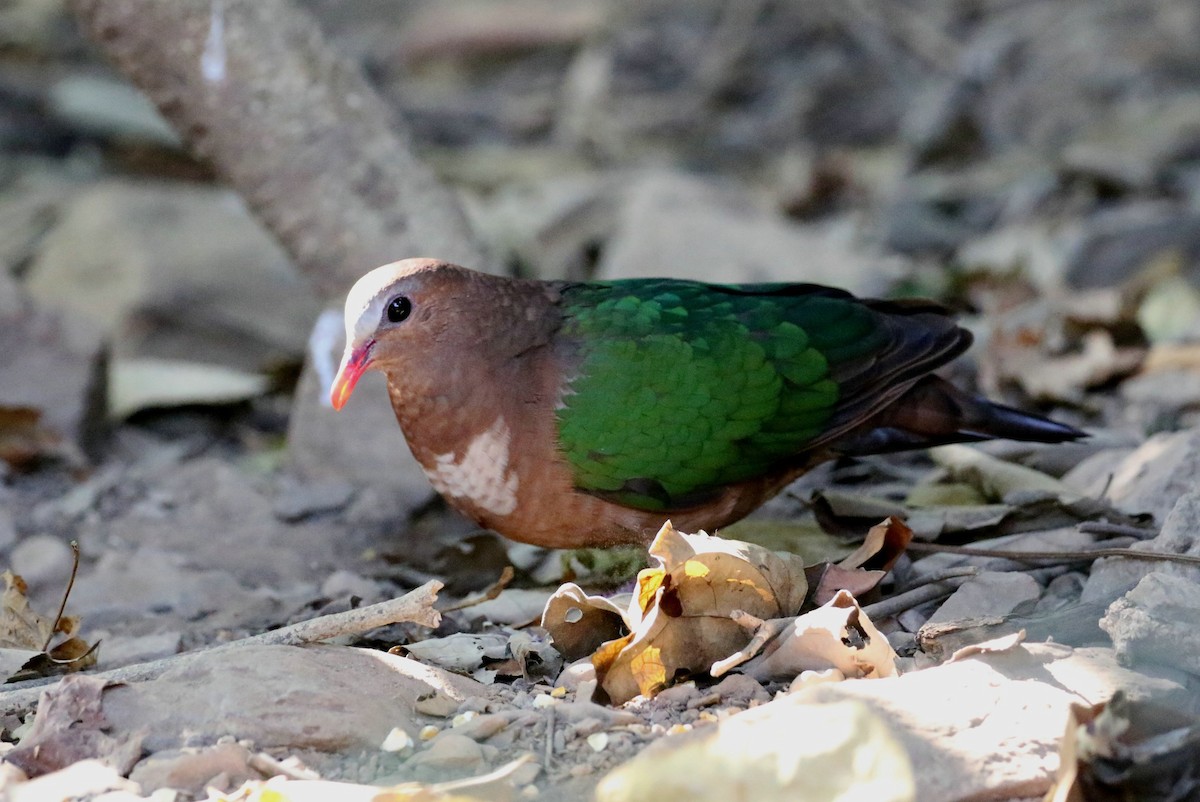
(253, 87)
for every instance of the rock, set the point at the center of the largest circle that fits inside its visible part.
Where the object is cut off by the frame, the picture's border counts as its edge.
(1132, 148)
(323, 698)
(53, 363)
(989, 725)
(449, 754)
(934, 220)
(205, 521)
(549, 227)
(8, 529)
(1156, 622)
(681, 226)
(122, 650)
(190, 770)
(177, 272)
(771, 754)
(740, 690)
(1115, 245)
(42, 560)
(298, 501)
(1180, 534)
(1154, 476)
(991, 593)
(151, 580)
(1031, 249)
(347, 583)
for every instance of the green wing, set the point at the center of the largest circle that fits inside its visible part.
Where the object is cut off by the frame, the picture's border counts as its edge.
(681, 387)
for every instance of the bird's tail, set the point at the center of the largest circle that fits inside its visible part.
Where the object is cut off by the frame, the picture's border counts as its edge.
(934, 412)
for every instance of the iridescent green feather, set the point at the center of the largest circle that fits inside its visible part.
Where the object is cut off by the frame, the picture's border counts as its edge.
(684, 387)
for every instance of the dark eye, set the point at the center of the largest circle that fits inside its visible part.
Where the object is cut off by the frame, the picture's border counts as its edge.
(399, 309)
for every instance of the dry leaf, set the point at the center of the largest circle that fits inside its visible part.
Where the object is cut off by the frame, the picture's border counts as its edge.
(996, 478)
(23, 440)
(828, 580)
(679, 619)
(838, 635)
(24, 633)
(579, 623)
(459, 652)
(70, 726)
(1129, 749)
(143, 383)
(882, 546)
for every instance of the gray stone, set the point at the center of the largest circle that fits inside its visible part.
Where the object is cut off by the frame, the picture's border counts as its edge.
(1115, 245)
(8, 529)
(684, 227)
(51, 362)
(174, 271)
(121, 650)
(42, 560)
(1156, 622)
(1154, 476)
(302, 500)
(150, 581)
(450, 753)
(991, 593)
(1180, 534)
(190, 770)
(993, 721)
(323, 698)
(548, 227)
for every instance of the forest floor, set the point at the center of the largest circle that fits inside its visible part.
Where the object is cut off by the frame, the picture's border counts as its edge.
(1037, 169)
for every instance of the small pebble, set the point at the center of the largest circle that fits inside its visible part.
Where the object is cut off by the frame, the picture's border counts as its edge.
(397, 740)
(463, 718)
(707, 715)
(545, 700)
(428, 732)
(676, 729)
(580, 770)
(42, 560)
(8, 530)
(559, 693)
(530, 792)
(598, 741)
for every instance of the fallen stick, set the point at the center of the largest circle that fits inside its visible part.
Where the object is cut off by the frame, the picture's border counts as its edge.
(1083, 555)
(912, 598)
(416, 607)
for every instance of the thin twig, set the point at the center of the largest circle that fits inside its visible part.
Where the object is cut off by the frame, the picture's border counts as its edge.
(549, 739)
(415, 606)
(1109, 529)
(1086, 555)
(912, 598)
(490, 593)
(941, 576)
(62, 606)
(269, 766)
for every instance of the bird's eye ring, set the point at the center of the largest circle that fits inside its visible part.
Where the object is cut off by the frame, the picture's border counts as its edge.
(399, 309)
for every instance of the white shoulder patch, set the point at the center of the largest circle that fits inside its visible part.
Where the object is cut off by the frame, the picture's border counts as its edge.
(480, 475)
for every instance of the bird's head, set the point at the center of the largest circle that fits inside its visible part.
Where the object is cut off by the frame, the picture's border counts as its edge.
(395, 315)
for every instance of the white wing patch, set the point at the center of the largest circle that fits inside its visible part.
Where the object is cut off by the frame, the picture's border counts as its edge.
(481, 475)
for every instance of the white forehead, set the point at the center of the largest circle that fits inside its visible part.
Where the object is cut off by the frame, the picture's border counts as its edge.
(364, 304)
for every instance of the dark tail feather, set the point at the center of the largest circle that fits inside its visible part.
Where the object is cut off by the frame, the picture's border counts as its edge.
(934, 412)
